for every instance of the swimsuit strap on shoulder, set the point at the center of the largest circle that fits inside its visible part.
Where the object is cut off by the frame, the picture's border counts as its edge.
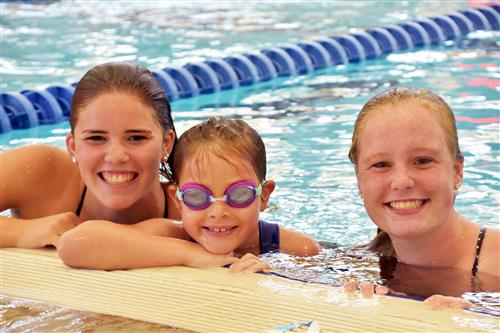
(479, 243)
(165, 208)
(80, 204)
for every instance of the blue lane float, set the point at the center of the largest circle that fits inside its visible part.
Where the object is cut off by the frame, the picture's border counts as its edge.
(264, 65)
(29, 108)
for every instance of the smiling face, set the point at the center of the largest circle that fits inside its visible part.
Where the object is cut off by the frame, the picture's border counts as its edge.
(118, 144)
(220, 228)
(405, 169)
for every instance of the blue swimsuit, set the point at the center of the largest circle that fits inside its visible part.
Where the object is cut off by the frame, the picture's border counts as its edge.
(269, 237)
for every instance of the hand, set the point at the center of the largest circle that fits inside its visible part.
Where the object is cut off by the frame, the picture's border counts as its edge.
(200, 257)
(442, 302)
(368, 289)
(46, 230)
(250, 264)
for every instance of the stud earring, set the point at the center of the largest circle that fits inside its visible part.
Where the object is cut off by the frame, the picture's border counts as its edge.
(458, 183)
(73, 159)
(165, 158)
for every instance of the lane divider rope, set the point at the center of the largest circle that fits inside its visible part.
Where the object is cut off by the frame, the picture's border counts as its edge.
(30, 108)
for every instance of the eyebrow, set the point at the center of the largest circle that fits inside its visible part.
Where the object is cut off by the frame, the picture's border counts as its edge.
(417, 150)
(97, 131)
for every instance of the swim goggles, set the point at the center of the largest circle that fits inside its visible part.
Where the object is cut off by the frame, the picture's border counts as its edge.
(238, 195)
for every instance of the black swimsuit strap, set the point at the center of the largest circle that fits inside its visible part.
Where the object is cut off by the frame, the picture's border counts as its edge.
(165, 208)
(479, 243)
(80, 204)
(82, 198)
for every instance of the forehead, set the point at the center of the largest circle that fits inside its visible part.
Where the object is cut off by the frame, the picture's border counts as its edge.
(205, 164)
(117, 108)
(403, 123)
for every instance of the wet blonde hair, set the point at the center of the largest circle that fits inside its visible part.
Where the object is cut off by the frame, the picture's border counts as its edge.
(399, 95)
(230, 139)
(395, 96)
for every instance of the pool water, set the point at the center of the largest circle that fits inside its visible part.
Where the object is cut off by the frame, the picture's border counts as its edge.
(305, 121)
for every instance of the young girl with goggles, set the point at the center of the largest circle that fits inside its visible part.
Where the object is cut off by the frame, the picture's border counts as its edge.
(219, 169)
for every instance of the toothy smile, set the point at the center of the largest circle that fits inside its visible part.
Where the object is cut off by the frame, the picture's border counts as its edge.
(406, 204)
(117, 178)
(219, 229)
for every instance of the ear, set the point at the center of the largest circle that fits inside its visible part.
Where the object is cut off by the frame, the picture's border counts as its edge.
(267, 188)
(171, 189)
(168, 142)
(458, 169)
(70, 144)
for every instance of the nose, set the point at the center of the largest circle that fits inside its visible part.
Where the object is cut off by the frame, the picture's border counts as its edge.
(402, 178)
(218, 209)
(116, 153)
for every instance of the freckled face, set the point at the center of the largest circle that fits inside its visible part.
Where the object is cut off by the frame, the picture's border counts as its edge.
(118, 144)
(406, 172)
(220, 228)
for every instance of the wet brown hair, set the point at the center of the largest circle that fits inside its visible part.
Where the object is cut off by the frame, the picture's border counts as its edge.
(131, 79)
(228, 139)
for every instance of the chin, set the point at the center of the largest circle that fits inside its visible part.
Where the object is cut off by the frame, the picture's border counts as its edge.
(118, 204)
(405, 232)
(218, 249)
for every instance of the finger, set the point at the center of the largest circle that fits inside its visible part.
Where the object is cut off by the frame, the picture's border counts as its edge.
(381, 290)
(241, 265)
(367, 289)
(435, 301)
(351, 286)
(227, 260)
(249, 256)
(53, 240)
(462, 304)
(71, 220)
(65, 222)
(259, 267)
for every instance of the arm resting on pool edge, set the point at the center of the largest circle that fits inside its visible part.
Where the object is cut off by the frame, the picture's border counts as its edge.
(109, 246)
(40, 186)
(35, 233)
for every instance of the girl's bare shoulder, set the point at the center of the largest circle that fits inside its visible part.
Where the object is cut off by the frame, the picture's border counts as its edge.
(36, 159)
(37, 174)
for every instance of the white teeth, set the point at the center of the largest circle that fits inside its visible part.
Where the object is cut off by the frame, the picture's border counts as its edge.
(406, 205)
(115, 179)
(218, 229)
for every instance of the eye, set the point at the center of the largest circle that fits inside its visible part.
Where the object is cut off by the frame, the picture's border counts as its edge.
(137, 137)
(380, 165)
(242, 194)
(95, 138)
(423, 160)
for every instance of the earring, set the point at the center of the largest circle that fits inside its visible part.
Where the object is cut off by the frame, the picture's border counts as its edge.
(165, 158)
(458, 183)
(73, 159)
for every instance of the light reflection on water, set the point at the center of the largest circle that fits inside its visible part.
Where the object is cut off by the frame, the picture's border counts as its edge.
(336, 266)
(19, 315)
(306, 121)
